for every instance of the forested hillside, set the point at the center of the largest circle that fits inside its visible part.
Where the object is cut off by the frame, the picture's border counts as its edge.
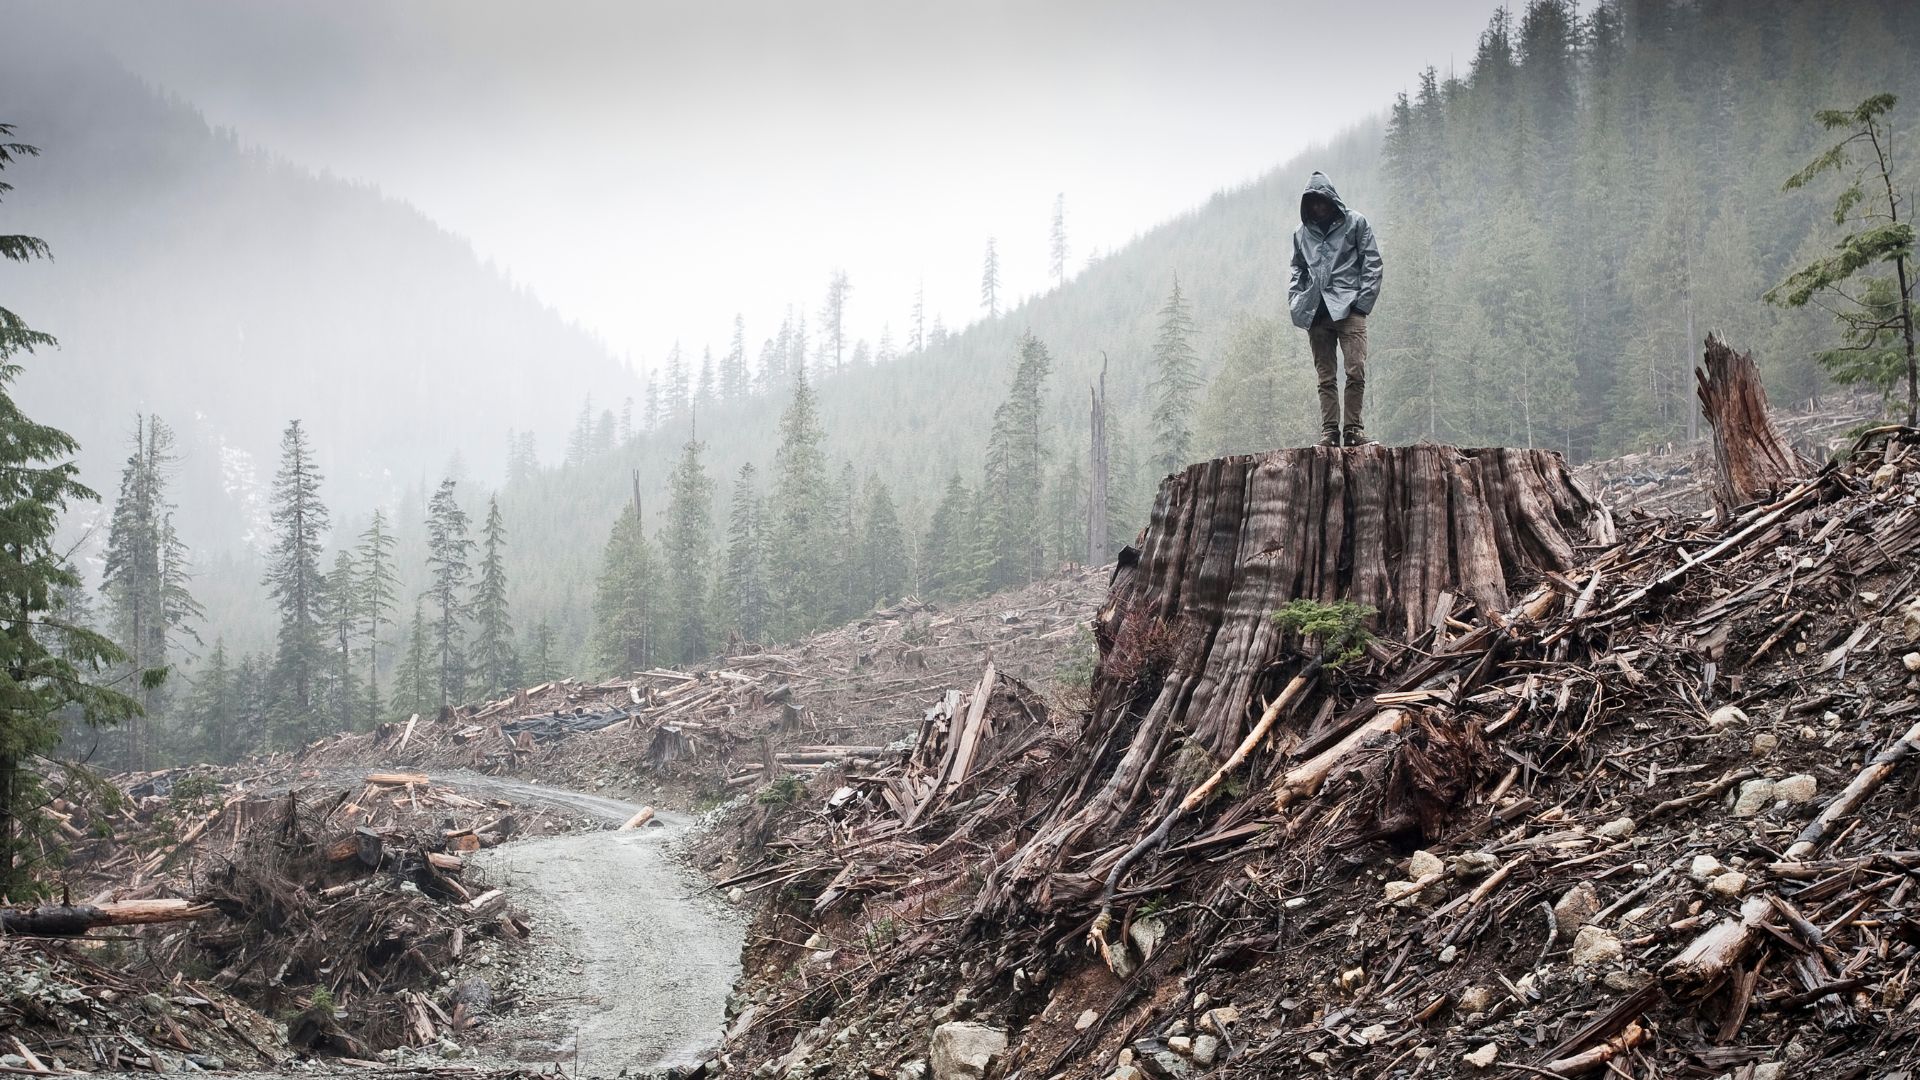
(1562, 222)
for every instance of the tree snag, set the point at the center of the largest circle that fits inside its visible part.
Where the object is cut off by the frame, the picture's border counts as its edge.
(1754, 457)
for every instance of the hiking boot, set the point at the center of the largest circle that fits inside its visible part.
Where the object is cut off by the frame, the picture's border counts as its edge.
(1330, 437)
(1357, 436)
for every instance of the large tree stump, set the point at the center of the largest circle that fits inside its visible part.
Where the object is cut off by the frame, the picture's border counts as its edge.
(1410, 531)
(1754, 457)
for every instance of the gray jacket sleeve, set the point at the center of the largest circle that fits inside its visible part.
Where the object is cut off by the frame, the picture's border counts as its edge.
(1301, 276)
(1371, 270)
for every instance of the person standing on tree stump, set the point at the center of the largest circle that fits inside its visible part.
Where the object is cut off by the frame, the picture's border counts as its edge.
(1336, 281)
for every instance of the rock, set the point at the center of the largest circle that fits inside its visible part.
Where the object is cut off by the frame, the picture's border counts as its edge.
(1294, 903)
(1627, 981)
(1800, 849)
(1146, 934)
(1704, 867)
(1474, 863)
(1728, 885)
(1618, 829)
(1127, 1072)
(1447, 954)
(1205, 1049)
(738, 895)
(1218, 1020)
(912, 1070)
(817, 942)
(1593, 946)
(1351, 978)
(1087, 1020)
(1484, 1057)
(1201, 1000)
(1424, 863)
(1372, 1033)
(962, 1050)
(1911, 661)
(1796, 790)
(1475, 999)
(1400, 893)
(1159, 1061)
(1772, 1070)
(1726, 716)
(1576, 907)
(1181, 1044)
(1765, 743)
(1755, 796)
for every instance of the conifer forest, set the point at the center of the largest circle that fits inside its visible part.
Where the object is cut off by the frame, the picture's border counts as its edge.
(315, 430)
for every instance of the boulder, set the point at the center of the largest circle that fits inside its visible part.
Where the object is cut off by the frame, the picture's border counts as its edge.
(962, 1050)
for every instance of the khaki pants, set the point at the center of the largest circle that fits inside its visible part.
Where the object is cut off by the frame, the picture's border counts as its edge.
(1350, 334)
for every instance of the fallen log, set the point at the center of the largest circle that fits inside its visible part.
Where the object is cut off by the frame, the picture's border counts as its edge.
(397, 779)
(1705, 962)
(1864, 784)
(72, 920)
(645, 815)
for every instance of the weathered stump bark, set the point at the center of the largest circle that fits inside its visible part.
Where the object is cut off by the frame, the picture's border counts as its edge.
(1754, 457)
(1188, 645)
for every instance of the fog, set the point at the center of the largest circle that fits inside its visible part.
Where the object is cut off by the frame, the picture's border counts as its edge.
(650, 169)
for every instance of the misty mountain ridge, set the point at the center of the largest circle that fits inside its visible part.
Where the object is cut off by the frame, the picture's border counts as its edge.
(229, 291)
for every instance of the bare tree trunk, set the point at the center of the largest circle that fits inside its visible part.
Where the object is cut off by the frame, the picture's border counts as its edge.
(1755, 458)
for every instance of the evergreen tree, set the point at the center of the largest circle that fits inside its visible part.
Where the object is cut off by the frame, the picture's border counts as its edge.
(580, 440)
(678, 393)
(493, 656)
(48, 660)
(448, 548)
(990, 282)
(1057, 241)
(833, 315)
(216, 705)
(145, 579)
(377, 590)
(1015, 471)
(743, 582)
(541, 666)
(625, 605)
(1877, 319)
(1262, 397)
(295, 581)
(883, 547)
(843, 527)
(707, 389)
(1176, 376)
(734, 381)
(947, 552)
(917, 322)
(687, 547)
(799, 560)
(343, 694)
(413, 677)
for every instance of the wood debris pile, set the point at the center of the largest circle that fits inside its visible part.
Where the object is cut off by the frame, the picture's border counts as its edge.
(745, 719)
(1652, 816)
(351, 927)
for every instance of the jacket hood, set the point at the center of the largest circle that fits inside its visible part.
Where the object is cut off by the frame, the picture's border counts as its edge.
(1318, 184)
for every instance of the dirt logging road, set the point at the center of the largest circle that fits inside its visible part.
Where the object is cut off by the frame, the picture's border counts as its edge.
(641, 955)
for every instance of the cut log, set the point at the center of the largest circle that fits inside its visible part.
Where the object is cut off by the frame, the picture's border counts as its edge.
(1755, 460)
(442, 861)
(462, 840)
(397, 779)
(72, 920)
(645, 815)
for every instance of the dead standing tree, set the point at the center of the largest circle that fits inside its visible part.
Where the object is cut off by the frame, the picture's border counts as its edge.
(1755, 459)
(1189, 652)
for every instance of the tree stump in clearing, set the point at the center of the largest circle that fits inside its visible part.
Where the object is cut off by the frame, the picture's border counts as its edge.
(1398, 529)
(1754, 457)
(1187, 639)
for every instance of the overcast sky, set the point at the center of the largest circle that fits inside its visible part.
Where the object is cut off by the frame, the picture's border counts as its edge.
(650, 168)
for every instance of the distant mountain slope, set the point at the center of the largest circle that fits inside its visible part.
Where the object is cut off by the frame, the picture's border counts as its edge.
(229, 292)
